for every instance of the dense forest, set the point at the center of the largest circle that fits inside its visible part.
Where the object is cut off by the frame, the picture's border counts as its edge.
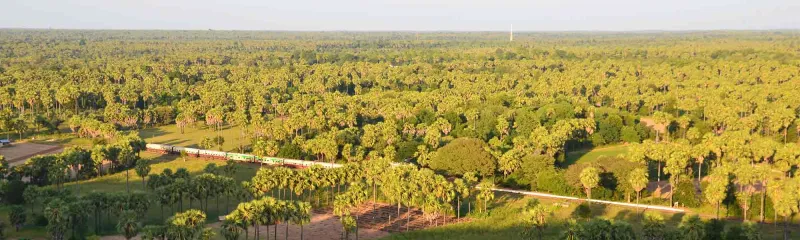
(713, 115)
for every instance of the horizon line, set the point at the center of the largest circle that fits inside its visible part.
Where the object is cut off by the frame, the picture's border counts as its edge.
(426, 31)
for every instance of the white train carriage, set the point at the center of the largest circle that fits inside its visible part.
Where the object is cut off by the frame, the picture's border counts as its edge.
(213, 154)
(327, 165)
(304, 164)
(189, 151)
(161, 148)
(297, 163)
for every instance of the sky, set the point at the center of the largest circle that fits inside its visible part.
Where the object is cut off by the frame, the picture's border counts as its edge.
(403, 15)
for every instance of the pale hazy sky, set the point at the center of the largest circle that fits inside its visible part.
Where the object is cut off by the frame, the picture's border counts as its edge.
(424, 15)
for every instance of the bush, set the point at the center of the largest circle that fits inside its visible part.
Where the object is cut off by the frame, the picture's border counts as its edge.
(39, 220)
(291, 151)
(464, 155)
(582, 211)
(714, 229)
(630, 135)
(12, 194)
(17, 216)
(609, 129)
(534, 165)
(406, 150)
(603, 193)
(733, 231)
(686, 194)
(554, 182)
(597, 140)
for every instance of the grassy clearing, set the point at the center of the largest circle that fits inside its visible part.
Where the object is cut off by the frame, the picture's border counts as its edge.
(117, 181)
(590, 155)
(191, 137)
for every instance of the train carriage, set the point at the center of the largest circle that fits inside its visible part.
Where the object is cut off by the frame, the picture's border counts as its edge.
(190, 151)
(271, 160)
(241, 157)
(160, 148)
(213, 154)
(297, 163)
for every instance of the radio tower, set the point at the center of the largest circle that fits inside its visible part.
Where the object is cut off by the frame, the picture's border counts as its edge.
(511, 34)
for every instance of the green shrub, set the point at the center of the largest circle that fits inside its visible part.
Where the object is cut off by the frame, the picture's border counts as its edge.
(630, 135)
(582, 211)
(464, 155)
(555, 183)
(686, 194)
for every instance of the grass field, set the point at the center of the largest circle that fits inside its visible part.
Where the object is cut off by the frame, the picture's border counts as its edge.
(589, 155)
(191, 137)
(506, 220)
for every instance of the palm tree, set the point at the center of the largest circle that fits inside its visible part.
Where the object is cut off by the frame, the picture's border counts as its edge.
(57, 219)
(638, 180)
(538, 217)
(230, 230)
(142, 170)
(590, 178)
(127, 158)
(244, 215)
(186, 225)
(301, 215)
(348, 224)
(165, 196)
(692, 228)
(128, 224)
(99, 154)
(486, 193)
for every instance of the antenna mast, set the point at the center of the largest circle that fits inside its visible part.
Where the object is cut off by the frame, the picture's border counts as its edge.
(511, 34)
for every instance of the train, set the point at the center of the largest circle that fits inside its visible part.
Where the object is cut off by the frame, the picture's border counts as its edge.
(238, 157)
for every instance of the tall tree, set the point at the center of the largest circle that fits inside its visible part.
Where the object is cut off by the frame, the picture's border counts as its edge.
(142, 170)
(590, 178)
(638, 178)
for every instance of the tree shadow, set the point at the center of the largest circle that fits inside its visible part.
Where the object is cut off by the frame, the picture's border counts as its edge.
(152, 132)
(586, 210)
(175, 141)
(676, 218)
(624, 215)
(598, 209)
(572, 157)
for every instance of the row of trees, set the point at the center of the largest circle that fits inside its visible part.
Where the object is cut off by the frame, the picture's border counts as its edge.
(171, 189)
(76, 163)
(403, 185)
(265, 211)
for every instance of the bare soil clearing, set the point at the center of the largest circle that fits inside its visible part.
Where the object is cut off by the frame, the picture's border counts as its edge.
(652, 123)
(374, 220)
(17, 153)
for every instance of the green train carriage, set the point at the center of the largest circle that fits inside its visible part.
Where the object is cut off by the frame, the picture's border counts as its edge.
(241, 157)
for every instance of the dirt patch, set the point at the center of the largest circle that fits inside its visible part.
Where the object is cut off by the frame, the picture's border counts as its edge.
(17, 153)
(374, 221)
(385, 217)
(652, 124)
